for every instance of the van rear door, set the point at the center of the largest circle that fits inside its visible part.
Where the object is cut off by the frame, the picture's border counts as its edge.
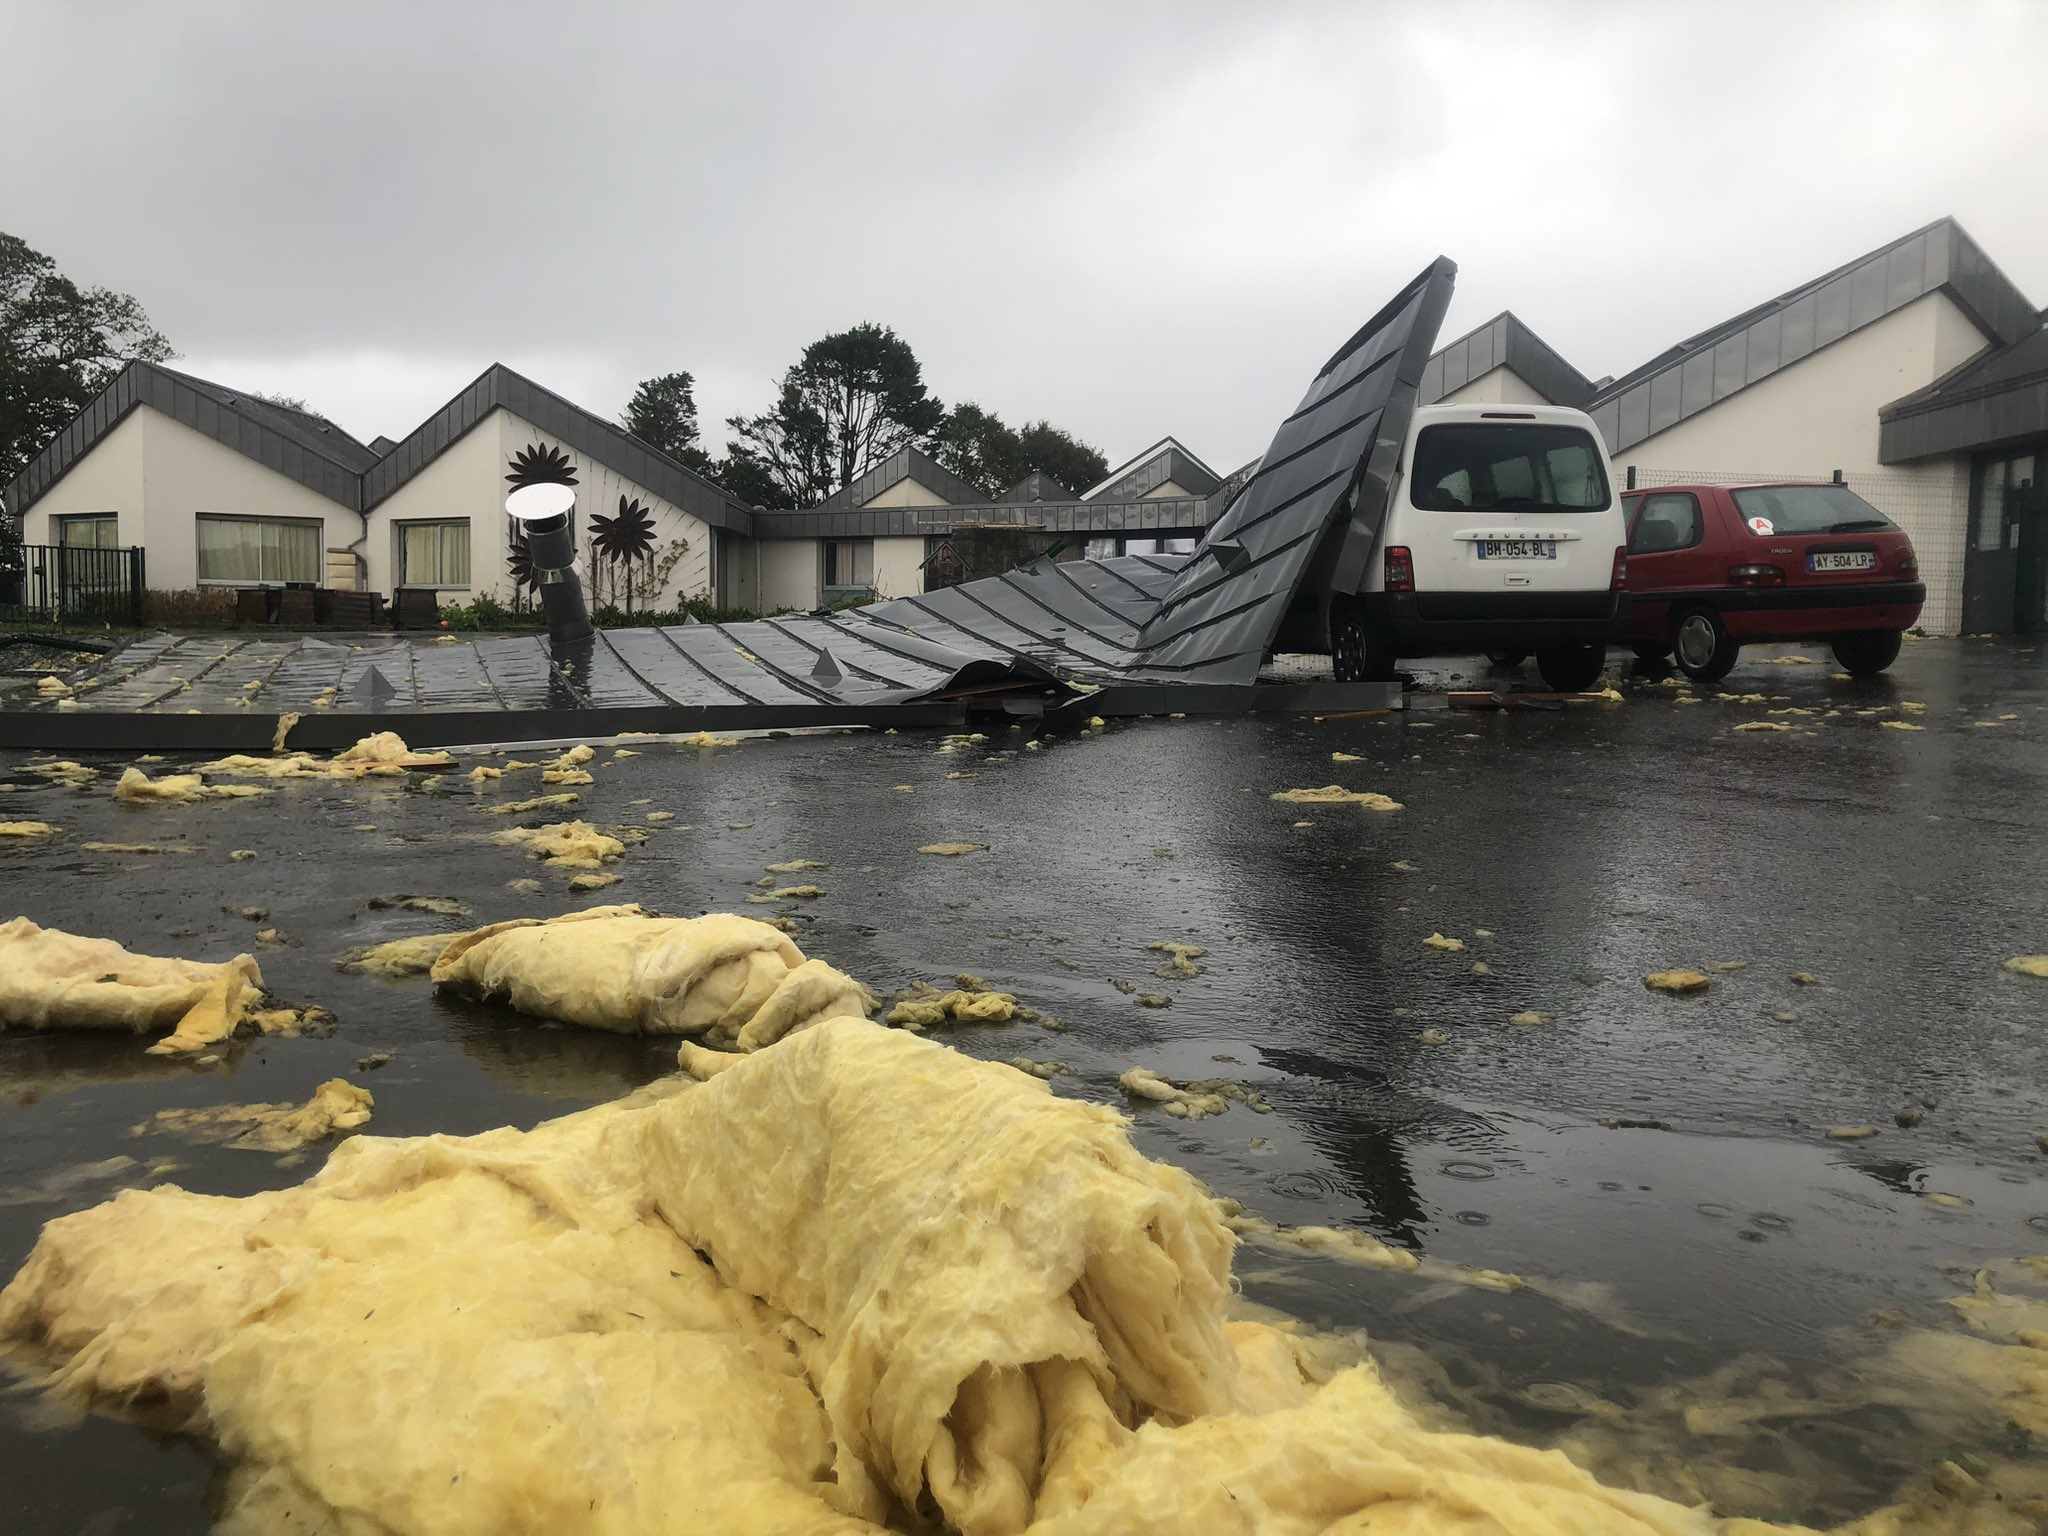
(1510, 502)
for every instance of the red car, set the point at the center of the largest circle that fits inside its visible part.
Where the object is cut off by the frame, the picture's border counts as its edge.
(1714, 567)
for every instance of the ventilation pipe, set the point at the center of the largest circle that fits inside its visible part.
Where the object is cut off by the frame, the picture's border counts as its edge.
(542, 511)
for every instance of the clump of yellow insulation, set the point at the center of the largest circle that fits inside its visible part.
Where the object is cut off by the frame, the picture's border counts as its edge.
(853, 1281)
(50, 979)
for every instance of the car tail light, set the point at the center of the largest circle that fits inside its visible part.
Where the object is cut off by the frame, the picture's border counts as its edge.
(1910, 566)
(1400, 569)
(1620, 581)
(1756, 576)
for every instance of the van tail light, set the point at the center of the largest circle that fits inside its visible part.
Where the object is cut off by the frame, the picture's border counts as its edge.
(1910, 566)
(1620, 581)
(1756, 576)
(1400, 569)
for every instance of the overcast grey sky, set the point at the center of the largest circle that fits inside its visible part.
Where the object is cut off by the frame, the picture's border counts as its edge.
(1133, 219)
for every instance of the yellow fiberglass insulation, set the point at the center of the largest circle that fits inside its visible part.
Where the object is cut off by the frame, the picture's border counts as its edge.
(729, 979)
(853, 1281)
(50, 979)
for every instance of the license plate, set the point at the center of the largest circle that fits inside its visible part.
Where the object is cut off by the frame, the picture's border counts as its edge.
(1854, 560)
(1518, 549)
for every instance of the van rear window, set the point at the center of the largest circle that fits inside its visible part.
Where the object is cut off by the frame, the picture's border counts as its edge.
(1465, 466)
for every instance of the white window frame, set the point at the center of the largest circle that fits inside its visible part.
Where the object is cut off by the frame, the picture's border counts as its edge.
(829, 591)
(319, 548)
(398, 576)
(60, 522)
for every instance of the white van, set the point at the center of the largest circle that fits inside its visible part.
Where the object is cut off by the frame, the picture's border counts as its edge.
(1504, 535)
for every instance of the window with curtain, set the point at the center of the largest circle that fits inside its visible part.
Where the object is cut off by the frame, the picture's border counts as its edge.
(258, 550)
(95, 532)
(433, 554)
(849, 563)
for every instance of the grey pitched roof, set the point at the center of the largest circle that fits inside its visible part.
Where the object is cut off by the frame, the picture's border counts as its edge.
(381, 445)
(1165, 460)
(1176, 514)
(904, 464)
(566, 423)
(296, 444)
(1706, 369)
(1995, 397)
(1038, 486)
(1504, 342)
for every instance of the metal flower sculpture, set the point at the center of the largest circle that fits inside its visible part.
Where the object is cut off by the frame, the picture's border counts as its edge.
(539, 464)
(519, 561)
(629, 535)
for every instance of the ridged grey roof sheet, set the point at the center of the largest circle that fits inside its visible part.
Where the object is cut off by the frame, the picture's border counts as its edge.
(1998, 397)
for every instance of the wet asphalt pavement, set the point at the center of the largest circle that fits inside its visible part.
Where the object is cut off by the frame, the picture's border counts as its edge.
(1593, 844)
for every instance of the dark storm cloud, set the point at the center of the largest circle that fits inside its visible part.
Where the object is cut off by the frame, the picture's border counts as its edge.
(1131, 218)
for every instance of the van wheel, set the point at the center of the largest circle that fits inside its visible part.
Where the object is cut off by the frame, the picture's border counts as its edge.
(1571, 668)
(1705, 650)
(1867, 652)
(1355, 656)
(1507, 658)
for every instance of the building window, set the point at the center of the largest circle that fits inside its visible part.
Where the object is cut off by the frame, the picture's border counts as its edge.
(433, 554)
(251, 551)
(98, 530)
(2002, 479)
(849, 568)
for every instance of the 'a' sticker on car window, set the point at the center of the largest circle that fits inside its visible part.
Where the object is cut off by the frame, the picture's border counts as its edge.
(1761, 526)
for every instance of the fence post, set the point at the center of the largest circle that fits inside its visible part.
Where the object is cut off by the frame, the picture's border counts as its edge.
(1838, 478)
(1631, 478)
(135, 586)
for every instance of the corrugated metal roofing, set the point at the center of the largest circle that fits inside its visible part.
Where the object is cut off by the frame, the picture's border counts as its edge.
(1996, 398)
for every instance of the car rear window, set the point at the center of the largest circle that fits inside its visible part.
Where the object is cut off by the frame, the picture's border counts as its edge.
(1471, 465)
(1807, 509)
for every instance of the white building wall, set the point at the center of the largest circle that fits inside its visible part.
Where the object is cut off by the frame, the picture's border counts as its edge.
(1497, 386)
(109, 479)
(899, 567)
(468, 481)
(789, 574)
(907, 493)
(1820, 415)
(156, 474)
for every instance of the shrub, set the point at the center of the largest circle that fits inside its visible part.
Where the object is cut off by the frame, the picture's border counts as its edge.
(193, 608)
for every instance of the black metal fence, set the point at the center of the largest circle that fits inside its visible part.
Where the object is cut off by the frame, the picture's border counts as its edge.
(56, 583)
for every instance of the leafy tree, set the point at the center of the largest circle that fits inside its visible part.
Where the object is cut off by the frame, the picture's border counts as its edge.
(1075, 464)
(987, 453)
(60, 345)
(851, 400)
(289, 402)
(663, 415)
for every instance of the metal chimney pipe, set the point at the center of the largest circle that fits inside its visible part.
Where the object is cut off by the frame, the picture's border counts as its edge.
(542, 511)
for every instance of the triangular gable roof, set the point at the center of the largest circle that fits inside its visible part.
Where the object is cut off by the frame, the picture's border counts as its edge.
(903, 464)
(1706, 369)
(569, 424)
(1165, 460)
(1503, 342)
(302, 447)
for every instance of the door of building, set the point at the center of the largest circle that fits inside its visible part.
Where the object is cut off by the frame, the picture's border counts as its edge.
(2028, 508)
(2003, 488)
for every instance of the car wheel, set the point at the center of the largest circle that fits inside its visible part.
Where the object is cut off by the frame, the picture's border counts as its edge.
(1571, 668)
(1705, 650)
(1867, 652)
(1355, 656)
(1507, 658)
(1650, 651)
